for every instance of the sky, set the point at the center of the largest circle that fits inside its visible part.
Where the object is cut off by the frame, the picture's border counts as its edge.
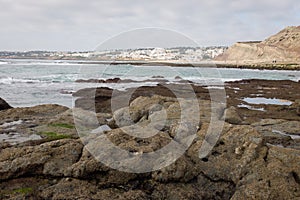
(77, 25)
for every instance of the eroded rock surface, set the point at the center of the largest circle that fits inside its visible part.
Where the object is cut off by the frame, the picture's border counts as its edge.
(250, 161)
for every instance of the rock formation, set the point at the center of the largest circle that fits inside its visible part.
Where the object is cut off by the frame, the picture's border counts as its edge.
(4, 105)
(252, 159)
(283, 47)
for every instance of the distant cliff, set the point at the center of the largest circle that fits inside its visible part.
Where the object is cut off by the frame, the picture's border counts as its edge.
(283, 47)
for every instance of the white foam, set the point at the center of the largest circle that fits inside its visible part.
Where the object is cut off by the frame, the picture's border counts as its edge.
(11, 80)
(43, 63)
(3, 63)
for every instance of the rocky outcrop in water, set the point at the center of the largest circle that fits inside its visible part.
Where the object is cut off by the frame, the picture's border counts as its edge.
(4, 105)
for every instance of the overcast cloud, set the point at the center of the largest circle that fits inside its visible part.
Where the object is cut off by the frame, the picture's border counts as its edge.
(82, 25)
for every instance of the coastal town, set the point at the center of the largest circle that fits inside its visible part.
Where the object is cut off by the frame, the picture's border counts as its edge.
(194, 54)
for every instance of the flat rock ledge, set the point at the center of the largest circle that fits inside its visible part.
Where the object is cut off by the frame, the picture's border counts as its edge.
(248, 161)
(241, 165)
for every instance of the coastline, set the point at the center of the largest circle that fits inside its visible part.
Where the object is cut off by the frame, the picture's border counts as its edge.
(241, 164)
(174, 63)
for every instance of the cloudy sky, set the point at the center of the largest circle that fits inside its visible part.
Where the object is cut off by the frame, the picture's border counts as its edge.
(82, 25)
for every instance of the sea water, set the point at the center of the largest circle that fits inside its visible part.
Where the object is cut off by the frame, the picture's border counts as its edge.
(33, 82)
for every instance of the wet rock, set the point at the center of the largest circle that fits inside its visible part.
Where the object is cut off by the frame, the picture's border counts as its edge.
(231, 116)
(282, 89)
(243, 164)
(4, 105)
(85, 166)
(275, 180)
(88, 119)
(203, 188)
(123, 139)
(164, 119)
(232, 156)
(288, 127)
(275, 138)
(31, 125)
(238, 166)
(267, 122)
(296, 105)
(183, 170)
(40, 113)
(157, 77)
(94, 99)
(110, 80)
(242, 157)
(50, 159)
(84, 189)
(99, 99)
(123, 117)
(147, 105)
(139, 109)
(279, 132)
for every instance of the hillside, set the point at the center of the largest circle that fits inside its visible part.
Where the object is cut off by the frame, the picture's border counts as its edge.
(283, 47)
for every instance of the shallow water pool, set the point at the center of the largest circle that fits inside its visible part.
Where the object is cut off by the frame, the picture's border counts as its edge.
(262, 100)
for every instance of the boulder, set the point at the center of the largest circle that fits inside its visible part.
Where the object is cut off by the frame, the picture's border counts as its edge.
(123, 117)
(231, 116)
(48, 159)
(4, 105)
(139, 109)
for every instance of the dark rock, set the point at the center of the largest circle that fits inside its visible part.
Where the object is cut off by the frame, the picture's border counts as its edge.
(279, 132)
(4, 105)
(110, 80)
(99, 99)
(157, 77)
(281, 89)
(296, 106)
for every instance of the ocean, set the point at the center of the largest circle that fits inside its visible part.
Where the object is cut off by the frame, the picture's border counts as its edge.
(26, 83)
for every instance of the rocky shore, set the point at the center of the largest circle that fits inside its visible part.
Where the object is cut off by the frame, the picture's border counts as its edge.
(256, 156)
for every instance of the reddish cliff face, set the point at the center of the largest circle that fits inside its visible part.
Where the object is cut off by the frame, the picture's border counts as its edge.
(283, 47)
